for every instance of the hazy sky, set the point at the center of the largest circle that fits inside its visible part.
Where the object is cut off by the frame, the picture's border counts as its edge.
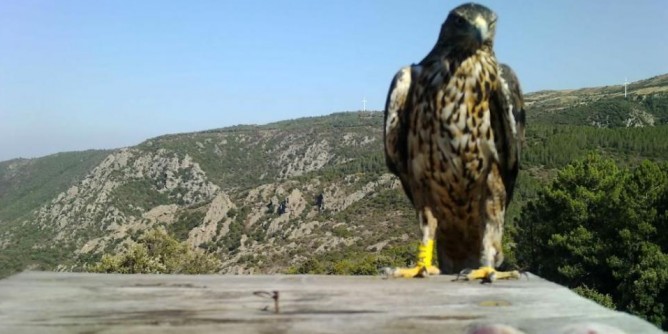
(87, 74)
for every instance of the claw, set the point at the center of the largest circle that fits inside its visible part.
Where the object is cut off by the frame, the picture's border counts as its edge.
(463, 273)
(489, 279)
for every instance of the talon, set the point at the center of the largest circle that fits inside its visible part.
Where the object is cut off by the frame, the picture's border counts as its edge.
(463, 273)
(489, 279)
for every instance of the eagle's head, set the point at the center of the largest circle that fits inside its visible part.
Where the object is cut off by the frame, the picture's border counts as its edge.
(468, 28)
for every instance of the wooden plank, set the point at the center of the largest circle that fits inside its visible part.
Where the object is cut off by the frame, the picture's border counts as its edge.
(49, 302)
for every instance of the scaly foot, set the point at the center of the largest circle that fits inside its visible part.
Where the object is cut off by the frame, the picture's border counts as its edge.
(488, 274)
(423, 267)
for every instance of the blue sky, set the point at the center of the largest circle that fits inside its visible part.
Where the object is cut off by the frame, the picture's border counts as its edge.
(85, 74)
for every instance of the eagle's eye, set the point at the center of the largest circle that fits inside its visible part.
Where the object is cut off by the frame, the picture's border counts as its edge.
(459, 21)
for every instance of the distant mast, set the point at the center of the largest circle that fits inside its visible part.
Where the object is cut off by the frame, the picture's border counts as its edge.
(364, 114)
(626, 83)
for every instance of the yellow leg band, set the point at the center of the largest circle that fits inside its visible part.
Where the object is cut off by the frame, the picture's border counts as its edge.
(425, 254)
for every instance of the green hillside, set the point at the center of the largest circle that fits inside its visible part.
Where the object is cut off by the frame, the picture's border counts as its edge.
(609, 112)
(26, 184)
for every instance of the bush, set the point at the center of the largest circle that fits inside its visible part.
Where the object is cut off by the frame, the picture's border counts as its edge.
(156, 252)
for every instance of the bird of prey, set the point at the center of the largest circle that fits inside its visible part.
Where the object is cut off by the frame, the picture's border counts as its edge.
(454, 125)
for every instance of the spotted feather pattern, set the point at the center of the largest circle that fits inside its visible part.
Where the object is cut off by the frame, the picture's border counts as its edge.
(454, 124)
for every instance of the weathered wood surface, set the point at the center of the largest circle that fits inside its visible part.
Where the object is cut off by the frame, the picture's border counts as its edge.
(47, 302)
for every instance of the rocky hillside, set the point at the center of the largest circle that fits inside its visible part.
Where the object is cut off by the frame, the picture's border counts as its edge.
(272, 198)
(264, 198)
(646, 105)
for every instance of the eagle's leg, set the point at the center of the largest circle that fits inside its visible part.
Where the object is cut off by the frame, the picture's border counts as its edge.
(424, 266)
(492, 252)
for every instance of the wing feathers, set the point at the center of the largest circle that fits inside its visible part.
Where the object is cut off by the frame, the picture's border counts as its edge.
(396, 118)
(516, 98)
(508, 120)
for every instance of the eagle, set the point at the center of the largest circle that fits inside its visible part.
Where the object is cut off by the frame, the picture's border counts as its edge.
(453, 130)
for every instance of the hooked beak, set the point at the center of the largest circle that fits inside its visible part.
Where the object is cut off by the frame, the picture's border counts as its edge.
(482, 30)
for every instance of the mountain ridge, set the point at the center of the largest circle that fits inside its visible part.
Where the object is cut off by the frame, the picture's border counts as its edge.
(272, 198)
